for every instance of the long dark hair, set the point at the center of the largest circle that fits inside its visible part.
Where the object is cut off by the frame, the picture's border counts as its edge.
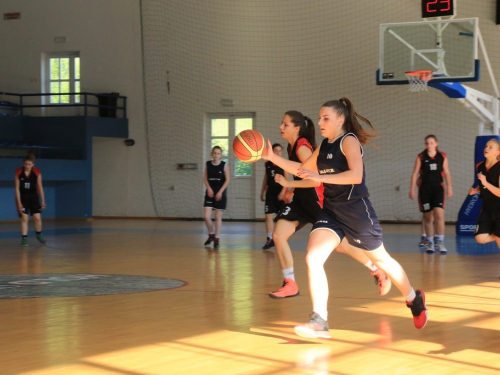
(344, 108)
(435, 138)
(306, 126)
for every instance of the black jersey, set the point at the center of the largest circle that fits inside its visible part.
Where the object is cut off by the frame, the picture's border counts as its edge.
(304, 193)
(492, 175)
(215, 175)
(28, 185)
(431, 168)
(332, 160)
(271, 171)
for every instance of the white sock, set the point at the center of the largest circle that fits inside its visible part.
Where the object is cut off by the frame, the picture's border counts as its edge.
(270, 236)
(440, 237)
(371, 266)
(288, 273)
(410, 297)
(322, 313)
(430, 239)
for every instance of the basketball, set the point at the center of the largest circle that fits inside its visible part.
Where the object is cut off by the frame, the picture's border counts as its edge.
(248, 146)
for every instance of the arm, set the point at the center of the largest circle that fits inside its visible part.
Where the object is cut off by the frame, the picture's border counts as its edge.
(414, 176)
(295, 183)
(40, 190)
(210, 192)
(473, 191)
(218, 196)
(487, 185)
(354, 175)
(288, 165)
(447, 176)
(281, 195)
(263, 189)
(18, 195)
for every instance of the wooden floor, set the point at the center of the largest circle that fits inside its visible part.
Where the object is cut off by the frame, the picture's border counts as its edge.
(223, 322)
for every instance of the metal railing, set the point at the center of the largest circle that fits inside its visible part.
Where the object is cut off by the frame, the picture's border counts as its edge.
(85, 95)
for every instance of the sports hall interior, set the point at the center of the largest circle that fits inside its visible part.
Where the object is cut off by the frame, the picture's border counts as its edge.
(124, 284)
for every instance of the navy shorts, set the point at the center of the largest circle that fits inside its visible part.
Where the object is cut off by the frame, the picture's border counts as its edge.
(302, 210)
(355, 220)
(273, 204)
(31, 204)
(431, 196)
(488, 222)
(216, 205)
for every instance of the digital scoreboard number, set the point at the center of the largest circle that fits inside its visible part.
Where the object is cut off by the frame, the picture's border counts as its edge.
(437, 8)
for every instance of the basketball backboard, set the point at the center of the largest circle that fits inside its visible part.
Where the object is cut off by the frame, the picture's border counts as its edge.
(447, 47)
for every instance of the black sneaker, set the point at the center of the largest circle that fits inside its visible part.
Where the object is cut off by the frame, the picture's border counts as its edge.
(216, 243)
(418, 309)
(269, 244)
(317, 327)
(210, 239)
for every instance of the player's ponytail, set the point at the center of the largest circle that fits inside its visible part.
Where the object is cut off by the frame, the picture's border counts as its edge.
(306, 126)
(344, 108)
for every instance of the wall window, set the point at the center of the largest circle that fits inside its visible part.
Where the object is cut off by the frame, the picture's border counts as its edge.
(223, 129)
(62, 76)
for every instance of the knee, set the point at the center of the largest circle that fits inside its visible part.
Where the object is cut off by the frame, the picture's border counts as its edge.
(481, 240)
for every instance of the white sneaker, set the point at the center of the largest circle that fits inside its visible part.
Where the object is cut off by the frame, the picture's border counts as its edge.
(440, 247)
(429, 249)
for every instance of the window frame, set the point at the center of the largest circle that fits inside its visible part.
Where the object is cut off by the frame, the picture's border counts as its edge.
(47, 78)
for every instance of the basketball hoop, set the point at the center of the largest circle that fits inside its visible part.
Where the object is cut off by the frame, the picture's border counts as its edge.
(418, 79)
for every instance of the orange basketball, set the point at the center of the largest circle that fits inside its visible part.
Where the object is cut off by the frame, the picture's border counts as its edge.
(248, 146)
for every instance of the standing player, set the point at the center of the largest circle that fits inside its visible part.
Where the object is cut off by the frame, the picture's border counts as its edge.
(272, 194)
(488, 173)
(298, 131)
(347, 212)
(216, 179)
(29, 192)
(431, 166)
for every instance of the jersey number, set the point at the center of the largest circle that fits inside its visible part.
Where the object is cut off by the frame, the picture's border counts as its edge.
(433, 167)
(26, 185)
(286, 211)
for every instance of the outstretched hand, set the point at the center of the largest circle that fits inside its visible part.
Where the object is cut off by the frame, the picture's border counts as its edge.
(307, 174)
(268, 153)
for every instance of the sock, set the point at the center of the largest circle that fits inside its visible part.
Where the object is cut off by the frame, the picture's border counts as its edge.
(288, 273)
(430, 239)
(38, 233)
(322, 313)
(440, 237)
(370, 266)
(270, 236)
(410, 297)
(216, 237)
(25, 236)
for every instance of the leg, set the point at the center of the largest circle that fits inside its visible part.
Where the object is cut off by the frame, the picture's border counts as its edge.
(218, 222)
(485, 238)
(320, 246)
(381, 279)
(439, 220)
(207, 215)
(37, 218)
(282, 232)
(24, 224)
(269, 223)
(428, 224)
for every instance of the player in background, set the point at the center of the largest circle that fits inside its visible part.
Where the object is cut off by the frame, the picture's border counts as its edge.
(273, 195)
(488, 174)
(216, 178)
(347, 212)
(29, 193)
(431, 166)
(298, 131)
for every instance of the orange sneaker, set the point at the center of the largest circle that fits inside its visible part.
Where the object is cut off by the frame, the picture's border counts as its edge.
(418, 309)
(288, 289)
(383, 282)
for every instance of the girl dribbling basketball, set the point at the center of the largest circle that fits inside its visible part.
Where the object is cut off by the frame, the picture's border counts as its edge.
(216, 178)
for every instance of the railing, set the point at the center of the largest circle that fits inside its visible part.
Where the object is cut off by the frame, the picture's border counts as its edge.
(86, 105)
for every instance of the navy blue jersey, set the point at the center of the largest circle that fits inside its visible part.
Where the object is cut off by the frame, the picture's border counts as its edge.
(431, 168)
(332, 160)
(271, 171)
(492, 175)
(215, 175)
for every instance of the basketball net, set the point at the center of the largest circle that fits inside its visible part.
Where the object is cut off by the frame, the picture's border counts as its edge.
(418, 79)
